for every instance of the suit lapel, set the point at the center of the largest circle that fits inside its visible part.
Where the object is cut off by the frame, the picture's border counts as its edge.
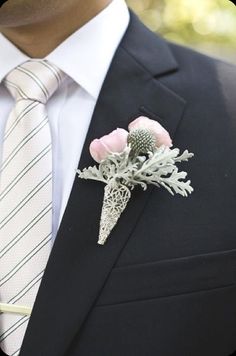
(78, 267)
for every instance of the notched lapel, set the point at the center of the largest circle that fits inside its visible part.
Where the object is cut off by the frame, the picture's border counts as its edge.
(78, 267)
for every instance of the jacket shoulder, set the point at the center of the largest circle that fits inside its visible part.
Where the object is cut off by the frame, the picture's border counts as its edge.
(198, 72)
(191, 58)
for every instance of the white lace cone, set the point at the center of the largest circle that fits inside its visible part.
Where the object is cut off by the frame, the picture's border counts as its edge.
(114, 203)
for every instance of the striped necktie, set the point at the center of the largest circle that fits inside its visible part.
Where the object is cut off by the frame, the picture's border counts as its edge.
(25, 194)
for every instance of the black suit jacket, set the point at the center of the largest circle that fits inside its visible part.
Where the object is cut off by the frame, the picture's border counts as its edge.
(164, 284)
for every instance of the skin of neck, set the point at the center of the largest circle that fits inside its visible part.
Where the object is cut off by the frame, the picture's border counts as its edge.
(38, 39)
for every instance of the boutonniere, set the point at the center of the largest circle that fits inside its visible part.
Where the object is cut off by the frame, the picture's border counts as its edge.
(138, 157)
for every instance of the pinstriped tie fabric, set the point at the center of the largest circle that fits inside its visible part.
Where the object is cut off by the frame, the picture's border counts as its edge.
(25, 194)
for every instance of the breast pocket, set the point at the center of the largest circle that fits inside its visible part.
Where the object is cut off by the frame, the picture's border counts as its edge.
(169, 277)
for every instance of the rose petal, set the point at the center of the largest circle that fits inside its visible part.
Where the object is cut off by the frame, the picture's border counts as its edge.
(116, 141)
(98, 151)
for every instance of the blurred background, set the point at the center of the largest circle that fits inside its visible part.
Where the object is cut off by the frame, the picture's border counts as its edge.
(206, 25)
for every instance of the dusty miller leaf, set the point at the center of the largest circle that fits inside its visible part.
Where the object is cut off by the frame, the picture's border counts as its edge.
(158, 168)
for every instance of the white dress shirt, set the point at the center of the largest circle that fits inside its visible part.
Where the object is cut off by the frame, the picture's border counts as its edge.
(85, 57)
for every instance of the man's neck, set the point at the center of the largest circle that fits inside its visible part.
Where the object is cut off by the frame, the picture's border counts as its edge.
(39, 39)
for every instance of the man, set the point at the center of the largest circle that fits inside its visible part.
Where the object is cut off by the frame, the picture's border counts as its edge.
(164, 283)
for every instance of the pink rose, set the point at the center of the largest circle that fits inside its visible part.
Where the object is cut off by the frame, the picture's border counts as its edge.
(162, 136)
(116, 141)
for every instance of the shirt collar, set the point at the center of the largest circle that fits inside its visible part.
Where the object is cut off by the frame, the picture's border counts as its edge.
(86, 55)
(10, 58)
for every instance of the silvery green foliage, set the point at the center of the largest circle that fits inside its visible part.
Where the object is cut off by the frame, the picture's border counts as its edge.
(157, 168)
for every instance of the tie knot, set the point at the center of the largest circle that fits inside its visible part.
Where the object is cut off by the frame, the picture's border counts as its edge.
(34, 80)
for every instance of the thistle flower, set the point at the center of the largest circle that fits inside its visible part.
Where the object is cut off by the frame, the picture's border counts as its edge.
(162, 136)
(141, 141)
